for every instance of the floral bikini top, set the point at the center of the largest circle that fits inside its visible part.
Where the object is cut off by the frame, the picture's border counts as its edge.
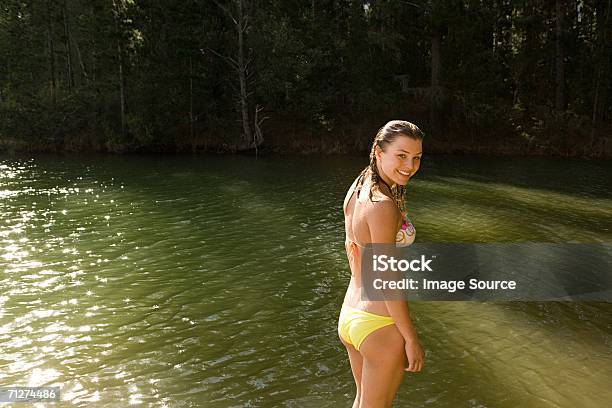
(406, 234)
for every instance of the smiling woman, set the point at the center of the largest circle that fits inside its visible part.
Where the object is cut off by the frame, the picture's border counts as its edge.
(379, 336)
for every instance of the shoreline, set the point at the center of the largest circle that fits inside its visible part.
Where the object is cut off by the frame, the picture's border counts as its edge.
(296, 147)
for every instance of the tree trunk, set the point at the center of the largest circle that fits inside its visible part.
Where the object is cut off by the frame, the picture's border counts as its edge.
(93, 42)
(121, 88)
(52, 83)
(434, 116)
(602, 65)
(258, 132)
(84, 75)
(435, 57)
(120, 69)
(560, 102)
(69, 68)
(242, 74)
(527, 79)
(241, 65)
(191, 117)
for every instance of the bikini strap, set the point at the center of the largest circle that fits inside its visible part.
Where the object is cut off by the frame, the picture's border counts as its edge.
(359, 183)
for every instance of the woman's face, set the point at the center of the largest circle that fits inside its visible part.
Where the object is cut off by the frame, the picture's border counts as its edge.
(400, 160)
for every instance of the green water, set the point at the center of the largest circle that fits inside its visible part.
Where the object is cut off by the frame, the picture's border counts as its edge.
(216, 281)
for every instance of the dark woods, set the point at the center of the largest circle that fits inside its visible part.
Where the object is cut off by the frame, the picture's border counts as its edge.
(501, 76)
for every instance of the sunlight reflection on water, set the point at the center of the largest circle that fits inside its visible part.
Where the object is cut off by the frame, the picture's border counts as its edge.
(215, 282)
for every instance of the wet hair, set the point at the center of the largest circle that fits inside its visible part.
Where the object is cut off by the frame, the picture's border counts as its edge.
(385, 136)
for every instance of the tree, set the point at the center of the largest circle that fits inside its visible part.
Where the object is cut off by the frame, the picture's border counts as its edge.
(560, 102)
(238, 12)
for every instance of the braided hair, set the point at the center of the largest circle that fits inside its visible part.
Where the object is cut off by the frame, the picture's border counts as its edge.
(386, 135)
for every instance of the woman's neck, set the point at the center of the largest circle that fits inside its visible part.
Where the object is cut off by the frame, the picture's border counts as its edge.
(384, 177)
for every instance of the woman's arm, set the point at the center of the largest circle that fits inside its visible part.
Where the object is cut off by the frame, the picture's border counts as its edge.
(383, 220)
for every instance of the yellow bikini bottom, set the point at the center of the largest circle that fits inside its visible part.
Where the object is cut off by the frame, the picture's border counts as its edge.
(355, 325)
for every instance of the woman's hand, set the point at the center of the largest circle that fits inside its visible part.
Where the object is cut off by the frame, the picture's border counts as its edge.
(415, 355)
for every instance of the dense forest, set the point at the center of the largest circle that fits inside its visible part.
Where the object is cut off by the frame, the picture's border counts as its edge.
(499, 76)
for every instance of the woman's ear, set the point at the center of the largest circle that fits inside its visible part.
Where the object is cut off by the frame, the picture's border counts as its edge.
(377, 153)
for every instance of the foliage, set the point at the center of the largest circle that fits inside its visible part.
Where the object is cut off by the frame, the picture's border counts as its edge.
(65, 64)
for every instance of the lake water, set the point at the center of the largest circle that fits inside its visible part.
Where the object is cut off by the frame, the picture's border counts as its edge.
(216, 281)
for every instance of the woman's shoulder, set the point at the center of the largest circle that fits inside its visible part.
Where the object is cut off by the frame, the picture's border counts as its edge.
(383, 208)
(383, 219)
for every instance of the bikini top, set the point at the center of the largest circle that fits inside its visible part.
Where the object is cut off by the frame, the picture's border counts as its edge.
(406, 234)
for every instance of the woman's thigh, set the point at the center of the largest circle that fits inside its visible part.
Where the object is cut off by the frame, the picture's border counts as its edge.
(384, 360)
(356, 363)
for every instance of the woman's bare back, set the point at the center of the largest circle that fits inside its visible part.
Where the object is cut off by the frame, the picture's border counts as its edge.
(356, 207)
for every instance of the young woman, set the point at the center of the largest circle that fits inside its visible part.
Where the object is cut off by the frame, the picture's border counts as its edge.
(379, 336)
